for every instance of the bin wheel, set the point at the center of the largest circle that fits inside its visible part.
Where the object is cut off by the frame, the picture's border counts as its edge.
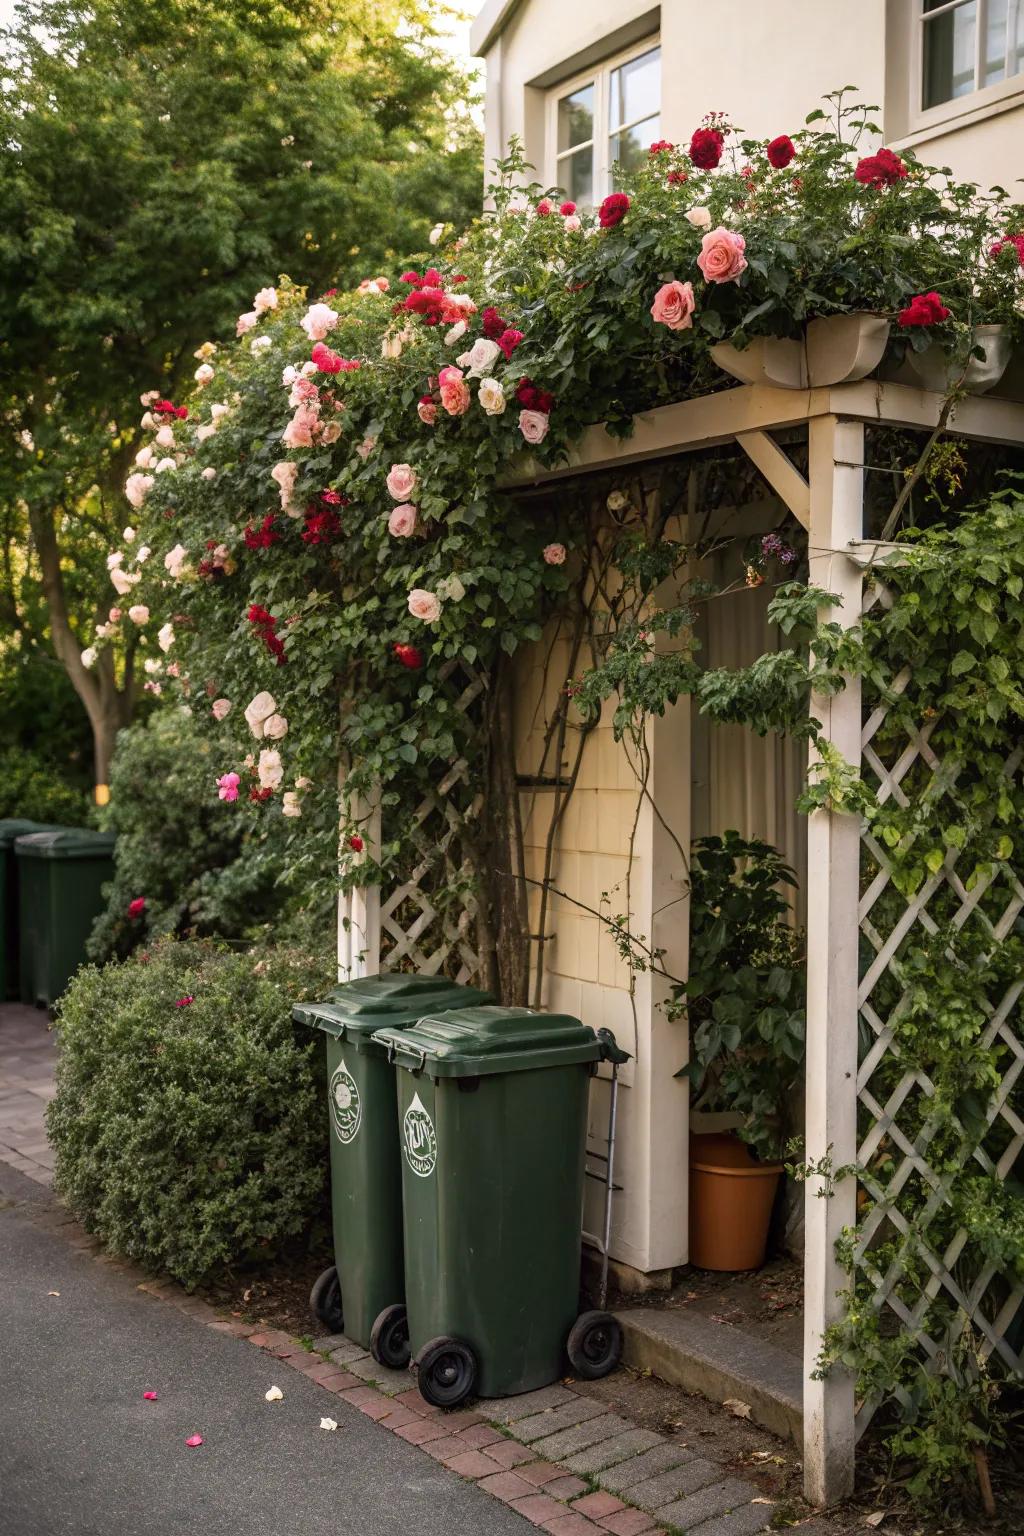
(389, 1339)
(325, 1301)
(594, 1345)
(445, 1371)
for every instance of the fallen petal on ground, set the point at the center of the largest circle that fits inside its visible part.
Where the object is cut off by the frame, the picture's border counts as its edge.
(194, 1440)
(328, 1423)
(274, 1395)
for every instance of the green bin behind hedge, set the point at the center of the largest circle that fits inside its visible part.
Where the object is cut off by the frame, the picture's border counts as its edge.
(17, 826)
(61, 875)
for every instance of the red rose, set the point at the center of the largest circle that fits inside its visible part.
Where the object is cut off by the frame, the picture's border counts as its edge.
(509, 340)
(182, 413)
(136, 907)
(924, 309)
(676, 178)
(567, 208)
(263, 536)
(781, 151)
(409, 655)
(258, 615)
(412, 278)
(326, 360)
(260, 795)
(492, 324)
(1008, 241)
(356, 843)
(882, 170)
(613, 210)
(660, 146)
(533, 399)
(706, 148)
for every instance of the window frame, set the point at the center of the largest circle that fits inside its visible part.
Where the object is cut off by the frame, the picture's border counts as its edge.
(599, 76)
(981, 100)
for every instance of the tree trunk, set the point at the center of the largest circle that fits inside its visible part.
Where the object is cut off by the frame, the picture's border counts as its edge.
(108, 708)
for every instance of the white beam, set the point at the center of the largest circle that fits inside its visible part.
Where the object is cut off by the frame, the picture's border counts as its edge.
(359, 908)
(781, 473)
(833, 862)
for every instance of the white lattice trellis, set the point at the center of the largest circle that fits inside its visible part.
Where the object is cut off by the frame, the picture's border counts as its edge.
(897, 1120)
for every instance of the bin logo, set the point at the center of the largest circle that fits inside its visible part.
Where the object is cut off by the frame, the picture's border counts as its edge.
(346, 1105)
(418, 1139)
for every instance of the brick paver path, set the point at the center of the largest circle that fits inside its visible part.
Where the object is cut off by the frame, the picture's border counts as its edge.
(28, 1055)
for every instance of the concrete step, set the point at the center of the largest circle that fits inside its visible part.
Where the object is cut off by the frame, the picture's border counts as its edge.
(719, 1361)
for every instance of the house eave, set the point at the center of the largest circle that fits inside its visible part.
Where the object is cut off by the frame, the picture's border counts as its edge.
(489, 25)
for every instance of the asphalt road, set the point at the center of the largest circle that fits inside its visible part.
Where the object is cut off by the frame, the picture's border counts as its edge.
(82, 1454)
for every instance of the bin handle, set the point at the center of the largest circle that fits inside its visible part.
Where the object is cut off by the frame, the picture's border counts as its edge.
(422, 1061)
(610, 1049)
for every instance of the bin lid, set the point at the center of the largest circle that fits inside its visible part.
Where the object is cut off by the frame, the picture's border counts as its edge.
(66, 843)
(474, 1042)
(356, 1009)
(18, 826)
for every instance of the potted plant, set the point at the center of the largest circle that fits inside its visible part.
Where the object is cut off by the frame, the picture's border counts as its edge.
(744, 998)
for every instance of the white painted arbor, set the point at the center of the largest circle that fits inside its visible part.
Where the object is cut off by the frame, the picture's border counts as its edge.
(829, 504)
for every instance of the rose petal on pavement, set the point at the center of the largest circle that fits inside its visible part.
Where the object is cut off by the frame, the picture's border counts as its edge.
(736, 1408)
(53, 1293)
(328, 1423)
(194, 1440)
(274, 1395)
(150, 1397)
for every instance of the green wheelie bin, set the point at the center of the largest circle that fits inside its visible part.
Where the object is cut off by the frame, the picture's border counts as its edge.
(363, 1292)
(9, 925)
(61, 876)
(492, 1104)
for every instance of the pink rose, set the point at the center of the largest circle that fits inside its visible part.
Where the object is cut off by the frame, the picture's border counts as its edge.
(227, 786)
(573, 222)
(220, 709)
(554, 554)
(402, 481)
(674, 305)
(424, 605)
(534, 425)
(427, 412)
(246, 322)
(402, 522)
(318, 320)
(455, 396)
(299, 431)
(331, 432)
(366, 447)
(721, 256)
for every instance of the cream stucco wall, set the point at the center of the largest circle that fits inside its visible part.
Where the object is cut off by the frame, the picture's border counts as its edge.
(765, 66)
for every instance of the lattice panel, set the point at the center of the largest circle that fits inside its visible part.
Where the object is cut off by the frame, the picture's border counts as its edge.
(898, 1121)
(428, 923)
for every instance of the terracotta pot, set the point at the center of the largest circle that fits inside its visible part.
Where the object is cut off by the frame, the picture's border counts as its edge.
(937, 371)
(731, 1199)
(834, 350)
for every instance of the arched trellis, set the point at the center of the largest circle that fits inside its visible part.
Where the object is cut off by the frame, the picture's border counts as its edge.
(829, 503)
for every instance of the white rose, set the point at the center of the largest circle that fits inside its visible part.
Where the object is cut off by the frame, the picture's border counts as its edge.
(145, 456)
(264, 300)
(270, 769)
(246, 322)
(149, 422)
(700, 218)
(128, 534)
(318, 320)
(617, 501)
(290, 807)
(260, 344)
(481, 357)
(450, 588)
(259, 710)
(436, 233)
(203, 374)
(165, 637)
(174, 560)
(204, 432)
(391, 346)
(114, 558)
(275, 727)
(165, 437)
(143, 554)
(209, 473)
(149, 397)
(123, 580)
(153, 665)
(289, 375)
(137, 488)
(164, 465)
(139, 613)
(492, 397)
(89, 656)
(217, 410)
(456, 333)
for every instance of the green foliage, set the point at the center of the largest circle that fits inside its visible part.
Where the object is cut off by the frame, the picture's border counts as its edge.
(744, 989)
(30, 786)
(191, 1134)
(202, 867)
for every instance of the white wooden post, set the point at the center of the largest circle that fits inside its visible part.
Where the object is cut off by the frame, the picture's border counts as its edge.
(833, 861)
(359, 908)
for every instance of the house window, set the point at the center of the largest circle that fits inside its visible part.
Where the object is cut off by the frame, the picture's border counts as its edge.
(604, 122)
(967, 45)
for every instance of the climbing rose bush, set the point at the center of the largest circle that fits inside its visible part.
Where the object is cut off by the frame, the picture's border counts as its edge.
(325, 516)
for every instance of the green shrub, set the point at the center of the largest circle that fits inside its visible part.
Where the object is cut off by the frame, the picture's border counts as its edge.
(189, 1121)
(203, 866)
(31, 786)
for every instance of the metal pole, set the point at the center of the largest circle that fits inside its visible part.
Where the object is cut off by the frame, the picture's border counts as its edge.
(609, 1185)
